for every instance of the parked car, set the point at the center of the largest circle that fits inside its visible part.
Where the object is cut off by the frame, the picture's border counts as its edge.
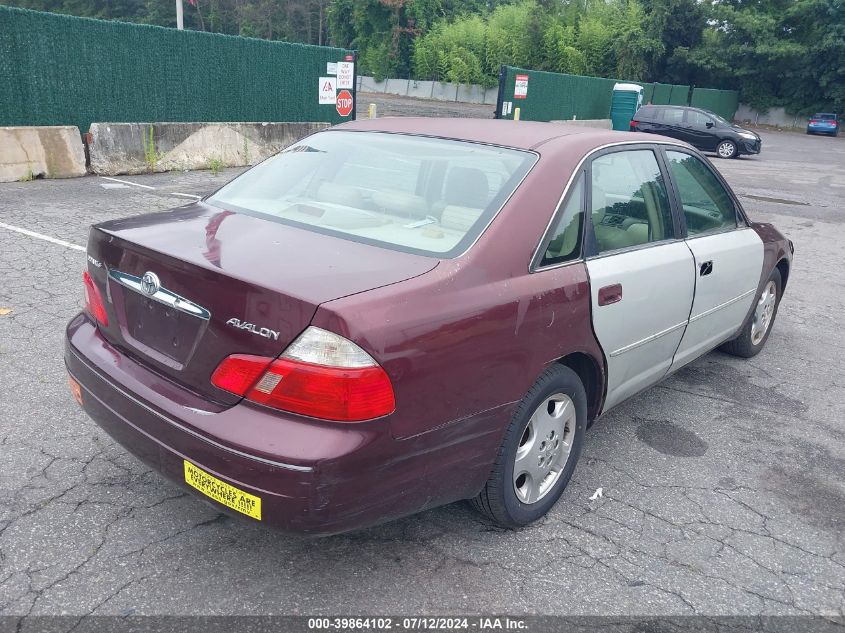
(700, 128)
(396, 314)
(823, 123)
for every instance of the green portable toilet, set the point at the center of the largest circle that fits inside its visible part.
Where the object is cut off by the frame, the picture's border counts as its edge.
(627, 99)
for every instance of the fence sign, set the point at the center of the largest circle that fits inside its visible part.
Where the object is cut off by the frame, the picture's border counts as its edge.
(345, 74)
(520, 88)
(344, 103)
(327, 90)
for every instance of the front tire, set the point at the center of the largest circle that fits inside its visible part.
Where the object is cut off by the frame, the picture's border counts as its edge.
(539, 452)
(756, 332)
(726, 149)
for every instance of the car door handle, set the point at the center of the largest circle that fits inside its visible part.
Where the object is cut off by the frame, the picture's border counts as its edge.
(610, 294)
(706, 268)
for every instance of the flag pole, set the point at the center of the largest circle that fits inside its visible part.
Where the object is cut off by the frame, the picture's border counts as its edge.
(180, 24)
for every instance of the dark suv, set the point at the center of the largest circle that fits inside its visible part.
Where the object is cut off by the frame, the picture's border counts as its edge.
(701, 128)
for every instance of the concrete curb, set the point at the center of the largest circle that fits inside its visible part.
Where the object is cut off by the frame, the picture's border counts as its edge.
(602, 124)
(126, 148)
(41, 152)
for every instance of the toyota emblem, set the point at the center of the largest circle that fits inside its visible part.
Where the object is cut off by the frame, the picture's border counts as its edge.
(150, 283)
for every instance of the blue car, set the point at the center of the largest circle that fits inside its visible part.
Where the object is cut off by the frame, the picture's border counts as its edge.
(823, 123)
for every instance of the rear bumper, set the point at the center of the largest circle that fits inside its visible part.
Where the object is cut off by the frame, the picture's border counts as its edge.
(312, 477)
(822, 129)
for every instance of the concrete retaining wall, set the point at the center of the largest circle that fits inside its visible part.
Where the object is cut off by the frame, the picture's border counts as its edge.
(470, 93)
(396, 87)
(603, 124)
(444, 91)
(420, 89)
(438, 90)
(40, 152)
(369, 84)
(773, 116)
(124, 148)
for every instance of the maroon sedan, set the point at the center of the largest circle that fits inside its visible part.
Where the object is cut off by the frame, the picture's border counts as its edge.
(392, 315)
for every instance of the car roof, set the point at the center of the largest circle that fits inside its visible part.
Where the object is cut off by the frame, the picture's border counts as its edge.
(517, 134)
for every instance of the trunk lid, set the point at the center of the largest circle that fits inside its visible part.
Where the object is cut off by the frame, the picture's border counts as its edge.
(224, 283)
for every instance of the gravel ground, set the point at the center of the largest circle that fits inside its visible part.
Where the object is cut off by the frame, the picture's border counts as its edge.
(723, 486)
(393, 105)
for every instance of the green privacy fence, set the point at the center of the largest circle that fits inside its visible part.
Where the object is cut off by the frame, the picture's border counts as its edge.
(666, 94)
(722, 102)
(554, 96)
(62, 70)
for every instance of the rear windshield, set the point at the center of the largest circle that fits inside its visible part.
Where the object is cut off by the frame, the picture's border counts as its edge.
(824, 115)
(409, 193)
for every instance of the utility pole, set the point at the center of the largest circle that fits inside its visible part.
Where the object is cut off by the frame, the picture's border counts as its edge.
(180, 23)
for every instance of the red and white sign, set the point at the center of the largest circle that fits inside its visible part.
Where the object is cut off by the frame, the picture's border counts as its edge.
(328, 92)
(345, 74)
(520, 88)
(344, 103)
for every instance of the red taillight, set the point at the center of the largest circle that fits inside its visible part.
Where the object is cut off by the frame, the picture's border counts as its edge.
(239, 372)
(813, 121)
(94, 300)
(634, 123)
(330, 393)
(345, 384)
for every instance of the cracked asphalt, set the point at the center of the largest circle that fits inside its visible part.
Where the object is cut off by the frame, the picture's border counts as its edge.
(722, 487)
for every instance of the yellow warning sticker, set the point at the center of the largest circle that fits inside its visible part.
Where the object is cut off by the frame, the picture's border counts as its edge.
(222, 492)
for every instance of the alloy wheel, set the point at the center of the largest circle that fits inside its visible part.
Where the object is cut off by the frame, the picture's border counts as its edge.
(544, 448)
(763, 313)
(726, 149)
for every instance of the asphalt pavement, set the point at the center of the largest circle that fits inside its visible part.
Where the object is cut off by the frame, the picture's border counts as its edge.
(722, 487)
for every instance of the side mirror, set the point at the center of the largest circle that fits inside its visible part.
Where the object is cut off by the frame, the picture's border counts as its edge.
(709, 124)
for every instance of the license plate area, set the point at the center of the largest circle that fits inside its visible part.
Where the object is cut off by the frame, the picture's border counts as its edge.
(165, 329)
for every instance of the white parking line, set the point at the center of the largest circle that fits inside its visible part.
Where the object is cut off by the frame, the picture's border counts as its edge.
(46, 238)
(135, 184)
(127, 182)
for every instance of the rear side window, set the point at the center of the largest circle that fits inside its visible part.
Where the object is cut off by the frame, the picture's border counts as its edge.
(565, 243)
(671, 115)
(421, 195)
(708, 207)
(647, 113)
(629, 203)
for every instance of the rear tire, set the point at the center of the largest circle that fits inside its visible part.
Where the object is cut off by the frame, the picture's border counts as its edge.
(726, 149)
(754, 335)
(539, 451)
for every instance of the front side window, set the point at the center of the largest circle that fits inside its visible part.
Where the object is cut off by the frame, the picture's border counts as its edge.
(565, 243)
(699, 119)
(708, 207)
(415, 194)
(629, 203)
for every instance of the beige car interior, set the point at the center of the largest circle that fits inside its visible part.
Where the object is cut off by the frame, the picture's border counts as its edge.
(466, 192)
(622, 217)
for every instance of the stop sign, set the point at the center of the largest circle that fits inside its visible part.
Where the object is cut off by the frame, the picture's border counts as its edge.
(344, 103)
